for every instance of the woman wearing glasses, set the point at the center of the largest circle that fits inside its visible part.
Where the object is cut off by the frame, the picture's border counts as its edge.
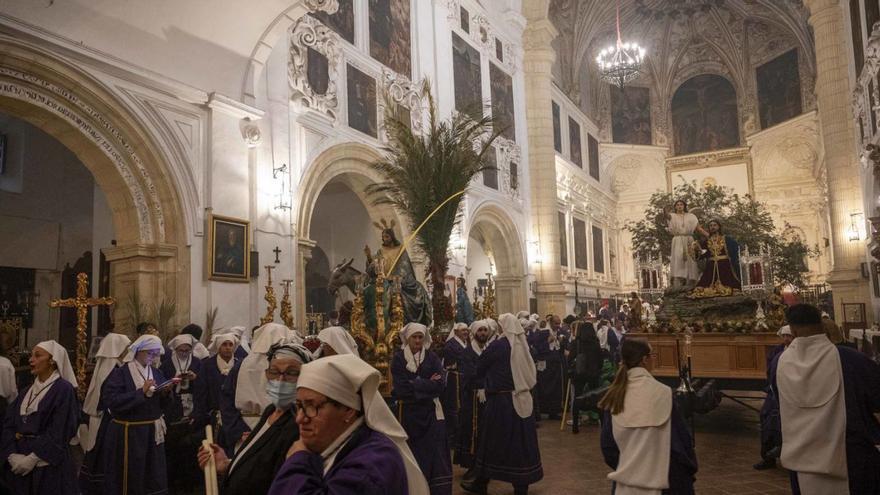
(254, 465)
(350, 442)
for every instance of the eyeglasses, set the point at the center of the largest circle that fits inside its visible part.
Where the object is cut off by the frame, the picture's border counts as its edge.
(312, 410)
(287, 376)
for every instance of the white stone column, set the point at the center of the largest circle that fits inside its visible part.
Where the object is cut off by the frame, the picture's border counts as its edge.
(833, 92)
(537, 66)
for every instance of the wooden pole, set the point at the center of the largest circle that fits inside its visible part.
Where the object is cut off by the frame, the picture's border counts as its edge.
(565, 405)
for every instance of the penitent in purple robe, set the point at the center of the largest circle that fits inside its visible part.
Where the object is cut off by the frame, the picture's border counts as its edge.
(451, 398)
(417, 413)
(212, 385)
(139, 469)
(368, 464)
(233, 424)
(682, 458)
(46, 433)
(548, 393)
(507, 449)
(861, 389)
(471, 413)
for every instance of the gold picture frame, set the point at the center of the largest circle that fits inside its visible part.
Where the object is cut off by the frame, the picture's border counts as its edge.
(229, 261)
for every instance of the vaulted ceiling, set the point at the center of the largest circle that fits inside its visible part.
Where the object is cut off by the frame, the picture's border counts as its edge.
(683, 38)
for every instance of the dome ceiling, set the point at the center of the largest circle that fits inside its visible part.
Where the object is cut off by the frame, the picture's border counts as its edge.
(683, 38)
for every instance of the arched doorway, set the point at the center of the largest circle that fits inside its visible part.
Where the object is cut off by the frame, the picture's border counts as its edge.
(495, 245)
(336, 214)
(151, 255)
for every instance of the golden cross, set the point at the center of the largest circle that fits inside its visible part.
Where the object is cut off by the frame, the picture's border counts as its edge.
(82, 302)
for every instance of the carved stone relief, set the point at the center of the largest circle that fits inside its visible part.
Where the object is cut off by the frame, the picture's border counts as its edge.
(400, 91)
(483, 35)
(310, 34)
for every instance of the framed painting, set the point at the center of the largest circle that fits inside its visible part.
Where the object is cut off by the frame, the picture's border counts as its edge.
(631, 115)
(574, 143)
(342, 22)
(229, 242)
(361, 102)
(704, 115)
(466, 78)
(502, 102)
(779, 89)
(390, 34)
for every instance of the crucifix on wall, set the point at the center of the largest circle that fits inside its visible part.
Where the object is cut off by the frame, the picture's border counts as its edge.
(277, 251)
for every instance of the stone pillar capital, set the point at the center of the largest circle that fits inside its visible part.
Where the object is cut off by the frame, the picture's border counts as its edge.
(821, 7)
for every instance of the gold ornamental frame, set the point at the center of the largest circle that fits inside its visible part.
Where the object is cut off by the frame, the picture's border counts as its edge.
(211, 257)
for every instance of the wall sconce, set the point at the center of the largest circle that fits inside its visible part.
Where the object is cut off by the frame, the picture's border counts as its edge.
(854, 232)
(283, 200)
(279, 170)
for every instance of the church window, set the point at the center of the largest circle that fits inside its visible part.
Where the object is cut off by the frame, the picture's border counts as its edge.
(557, 128)
(855, 18)
(467, 78)
(779, 89)
(390, 34)
(593, 154)
(574, 143)
(580, 244)
(563, 239)
(598, 250)
(704, 115)
(502, 102)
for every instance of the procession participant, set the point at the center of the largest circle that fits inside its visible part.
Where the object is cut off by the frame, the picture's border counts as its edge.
(473, 398)
(508, 446)
(548, 362)
(349, 440)
(39, 425)
(109, 356)
(644, 438)
(199, 349)
(456, 343)
(828, 398)
(132, 442)
(771, 431)
(215, 370)
(417, 378)
(8, 387)
(336, 340)
(254, 465)
(185, 413)
(146, 328)
(250, 399)
(242, 348)
(587, 361)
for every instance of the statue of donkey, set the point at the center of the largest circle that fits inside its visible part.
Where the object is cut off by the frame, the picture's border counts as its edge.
(343, 275)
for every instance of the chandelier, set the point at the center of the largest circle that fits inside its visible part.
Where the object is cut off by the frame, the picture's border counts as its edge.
(620, 63)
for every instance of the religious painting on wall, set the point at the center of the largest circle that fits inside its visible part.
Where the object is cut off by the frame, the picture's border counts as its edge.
(593, 155)
(490, 175)
(466, 78)
(390, 34)
(317, 71)
(557, 128)
(229, 241)
(574, 143)
(361, 102)
(502, 101)
(631, 115)
(598, 250)
(580, 244)
(563, 240)
(704, 115)
(342, 22)
(779, 89)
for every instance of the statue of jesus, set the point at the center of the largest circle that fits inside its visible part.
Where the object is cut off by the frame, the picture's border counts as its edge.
(683, 268)
(721, 277)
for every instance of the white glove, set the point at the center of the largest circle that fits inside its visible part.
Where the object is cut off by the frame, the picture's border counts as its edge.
(22, 465)
(481, 395)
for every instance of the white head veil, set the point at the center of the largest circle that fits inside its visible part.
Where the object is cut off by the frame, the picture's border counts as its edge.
(107, 359)
(59, 355)
(145, 342)
(339, 339)
(250, 392)
(452, 334)
(219, 339)
(413, 360)
(354, 383)
(521, 365)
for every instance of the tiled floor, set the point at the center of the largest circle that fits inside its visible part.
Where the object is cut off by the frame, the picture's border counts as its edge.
(727, 446)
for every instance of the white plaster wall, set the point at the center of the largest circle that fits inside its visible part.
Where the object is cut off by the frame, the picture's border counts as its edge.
(342, 227)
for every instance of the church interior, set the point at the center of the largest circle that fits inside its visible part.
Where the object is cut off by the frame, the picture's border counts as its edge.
(227, 166)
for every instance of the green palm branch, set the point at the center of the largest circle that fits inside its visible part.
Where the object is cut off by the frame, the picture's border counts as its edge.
(423, 170)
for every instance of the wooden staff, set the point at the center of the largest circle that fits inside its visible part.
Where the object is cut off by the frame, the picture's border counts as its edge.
(211, 487)
(565, 404)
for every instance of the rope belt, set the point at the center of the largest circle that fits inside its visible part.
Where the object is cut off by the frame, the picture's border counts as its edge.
(127, 424)
(19, 436)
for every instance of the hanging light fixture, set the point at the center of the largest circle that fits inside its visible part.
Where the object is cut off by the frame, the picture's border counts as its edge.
(620, 63)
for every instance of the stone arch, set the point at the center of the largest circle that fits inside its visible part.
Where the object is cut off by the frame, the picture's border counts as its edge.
(351, 164)
(492, 225)
(151, 255)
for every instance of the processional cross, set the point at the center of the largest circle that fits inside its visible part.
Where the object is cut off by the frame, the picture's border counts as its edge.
(82, 302)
